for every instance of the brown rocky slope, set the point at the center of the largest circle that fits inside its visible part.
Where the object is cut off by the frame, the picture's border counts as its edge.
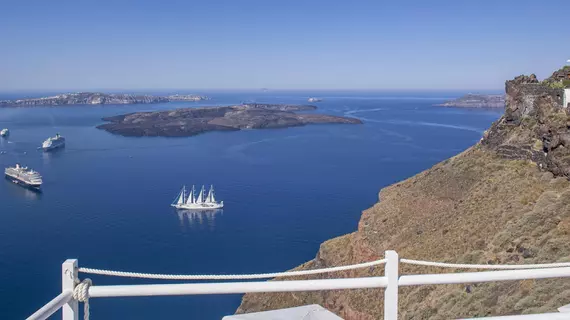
(505, 200)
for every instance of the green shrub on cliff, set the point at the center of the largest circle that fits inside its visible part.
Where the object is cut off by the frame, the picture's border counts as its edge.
(554, 84)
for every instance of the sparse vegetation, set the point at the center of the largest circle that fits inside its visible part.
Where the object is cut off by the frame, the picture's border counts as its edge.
(537, 145)
(554, 84)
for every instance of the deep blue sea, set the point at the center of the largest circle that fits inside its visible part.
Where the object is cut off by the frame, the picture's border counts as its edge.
(106, 198)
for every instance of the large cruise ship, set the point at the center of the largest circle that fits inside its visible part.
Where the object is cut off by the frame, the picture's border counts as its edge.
(53, 143)
(24, 176)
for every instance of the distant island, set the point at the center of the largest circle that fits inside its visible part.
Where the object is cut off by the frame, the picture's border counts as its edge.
(192, 121)
(476, 101)
(97, 98)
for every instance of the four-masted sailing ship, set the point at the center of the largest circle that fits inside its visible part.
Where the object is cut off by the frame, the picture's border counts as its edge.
(189, 201)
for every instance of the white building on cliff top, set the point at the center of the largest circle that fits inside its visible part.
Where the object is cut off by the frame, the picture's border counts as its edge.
(566, 93)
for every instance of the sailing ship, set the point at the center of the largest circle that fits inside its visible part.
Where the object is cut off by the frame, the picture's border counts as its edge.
(189, 201)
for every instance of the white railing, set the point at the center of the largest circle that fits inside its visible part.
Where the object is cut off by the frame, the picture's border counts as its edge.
(391, 281)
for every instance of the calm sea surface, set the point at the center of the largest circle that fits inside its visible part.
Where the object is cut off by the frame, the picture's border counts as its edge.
(106, 198)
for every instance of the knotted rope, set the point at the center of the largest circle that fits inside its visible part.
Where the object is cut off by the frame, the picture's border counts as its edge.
(81, 294)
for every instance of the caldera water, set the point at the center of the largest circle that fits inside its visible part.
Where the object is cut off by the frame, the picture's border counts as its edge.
(106, 198)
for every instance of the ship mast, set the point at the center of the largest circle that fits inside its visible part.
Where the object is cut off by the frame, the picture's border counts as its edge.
(200, 198)
(190, 198)
(211, 197)
(182, 196)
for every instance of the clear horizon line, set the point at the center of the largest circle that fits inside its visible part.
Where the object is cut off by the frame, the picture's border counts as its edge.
(103, 90)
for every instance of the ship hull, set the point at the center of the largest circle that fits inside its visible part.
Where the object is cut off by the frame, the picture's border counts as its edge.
(23, 183)
(205, 206)
(53, 147)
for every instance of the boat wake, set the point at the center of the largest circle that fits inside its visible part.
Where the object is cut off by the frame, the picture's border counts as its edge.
(350, 112)
(429, 124)
(238, 150)
(243, 146)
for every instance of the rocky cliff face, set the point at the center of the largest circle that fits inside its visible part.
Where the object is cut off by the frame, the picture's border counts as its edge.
(505, 200)
(535, 126)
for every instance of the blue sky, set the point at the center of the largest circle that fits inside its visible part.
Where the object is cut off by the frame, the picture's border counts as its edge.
(310, 44)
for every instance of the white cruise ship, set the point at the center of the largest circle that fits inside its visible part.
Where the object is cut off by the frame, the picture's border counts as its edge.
(24, 176)
(201, 202)
(53, 143)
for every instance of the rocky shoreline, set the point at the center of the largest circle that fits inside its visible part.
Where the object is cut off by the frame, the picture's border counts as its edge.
(192, 121)
(476, 101)
(97, 98)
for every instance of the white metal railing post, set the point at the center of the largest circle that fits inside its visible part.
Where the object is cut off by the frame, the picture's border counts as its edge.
(68, 280)
(391, 292)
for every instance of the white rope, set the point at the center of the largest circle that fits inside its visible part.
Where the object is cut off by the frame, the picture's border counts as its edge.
(485, 266)
(229, 276)
(81, 294)
(317, 271)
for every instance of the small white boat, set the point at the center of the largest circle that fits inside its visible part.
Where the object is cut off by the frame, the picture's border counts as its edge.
(315, 100)
(201, 202)
(4, 132)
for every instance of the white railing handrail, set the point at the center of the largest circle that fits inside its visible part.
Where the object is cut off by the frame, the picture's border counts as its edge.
(235, 287)
(482, 276)
(52, 306)
(391, 281)
(484, 266)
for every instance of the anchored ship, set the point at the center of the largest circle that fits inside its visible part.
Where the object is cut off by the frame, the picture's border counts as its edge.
(4, 132)
(24, 176)
(201, 202)
(53, 143)
(315, 100)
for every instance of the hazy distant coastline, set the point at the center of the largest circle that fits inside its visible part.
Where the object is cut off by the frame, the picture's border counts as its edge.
(476, 101)
(97, 98)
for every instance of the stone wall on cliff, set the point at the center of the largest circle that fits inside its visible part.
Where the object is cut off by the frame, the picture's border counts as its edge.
(535, 126)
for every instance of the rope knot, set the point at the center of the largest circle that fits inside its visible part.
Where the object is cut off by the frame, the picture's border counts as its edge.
(81, 291)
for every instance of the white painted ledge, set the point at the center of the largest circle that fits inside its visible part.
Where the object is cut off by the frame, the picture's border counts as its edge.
(310, 312)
